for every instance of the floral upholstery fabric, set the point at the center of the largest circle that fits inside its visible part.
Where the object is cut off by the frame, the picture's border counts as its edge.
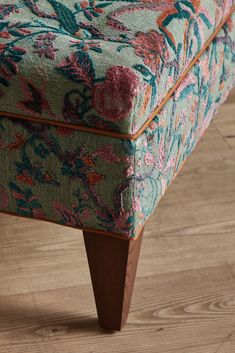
(102, 64)
(84, 179)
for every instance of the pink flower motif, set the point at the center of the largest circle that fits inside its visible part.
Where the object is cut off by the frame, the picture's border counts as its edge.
(44, 45)
(152, 47)
(4, 200)
(113, 99)
(153, 125)
(223, 8)
(170, 81)
(128, 159)
(149, 159)
(85, 196)
(129, 171)
(136, 205)
(86, 214)
(161, 154)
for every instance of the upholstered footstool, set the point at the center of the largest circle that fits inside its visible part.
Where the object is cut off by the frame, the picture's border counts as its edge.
(101, 102)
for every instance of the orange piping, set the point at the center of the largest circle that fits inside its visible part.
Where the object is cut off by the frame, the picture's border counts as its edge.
(152, 115)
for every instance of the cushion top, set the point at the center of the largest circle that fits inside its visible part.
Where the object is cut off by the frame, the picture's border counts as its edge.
(104, 65)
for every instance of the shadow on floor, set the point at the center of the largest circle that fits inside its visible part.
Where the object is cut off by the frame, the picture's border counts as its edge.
(46, 323)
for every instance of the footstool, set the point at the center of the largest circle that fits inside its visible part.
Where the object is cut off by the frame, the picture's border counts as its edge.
(101, 102)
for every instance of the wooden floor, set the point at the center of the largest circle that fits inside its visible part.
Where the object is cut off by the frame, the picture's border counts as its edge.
(184, 299)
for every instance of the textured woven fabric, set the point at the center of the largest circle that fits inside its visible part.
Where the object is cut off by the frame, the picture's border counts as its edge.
(87, 180)
(103, 64)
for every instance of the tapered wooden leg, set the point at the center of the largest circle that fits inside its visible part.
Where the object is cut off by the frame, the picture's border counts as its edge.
(113, 263)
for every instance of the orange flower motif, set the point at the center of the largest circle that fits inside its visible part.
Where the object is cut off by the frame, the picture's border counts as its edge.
(88, 161)
(84, 4)
(25, 179)
(2, 46)
(5, 34)
(94, 178)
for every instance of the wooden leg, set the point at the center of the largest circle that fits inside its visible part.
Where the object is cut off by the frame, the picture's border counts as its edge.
(113, 263)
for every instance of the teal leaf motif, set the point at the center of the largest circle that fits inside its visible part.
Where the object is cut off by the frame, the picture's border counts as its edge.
(88, 15)
(102, 5)
(154, 92)
(26, 202)
(41, 151)
(8, 64)
(6, 10)
(18, 29)
(186, 91)
(78, 68)
(197, 35)
(205, 20)
(3, 25)
(143, 70)
(66, 17)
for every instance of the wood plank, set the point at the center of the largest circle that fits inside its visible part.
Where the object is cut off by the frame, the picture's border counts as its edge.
(226, 124)
(180, 310)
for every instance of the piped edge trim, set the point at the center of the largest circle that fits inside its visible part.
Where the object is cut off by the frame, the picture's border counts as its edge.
(152, 115)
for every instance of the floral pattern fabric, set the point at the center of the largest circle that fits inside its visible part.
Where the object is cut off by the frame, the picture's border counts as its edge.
(90, 181)
(103, 64)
